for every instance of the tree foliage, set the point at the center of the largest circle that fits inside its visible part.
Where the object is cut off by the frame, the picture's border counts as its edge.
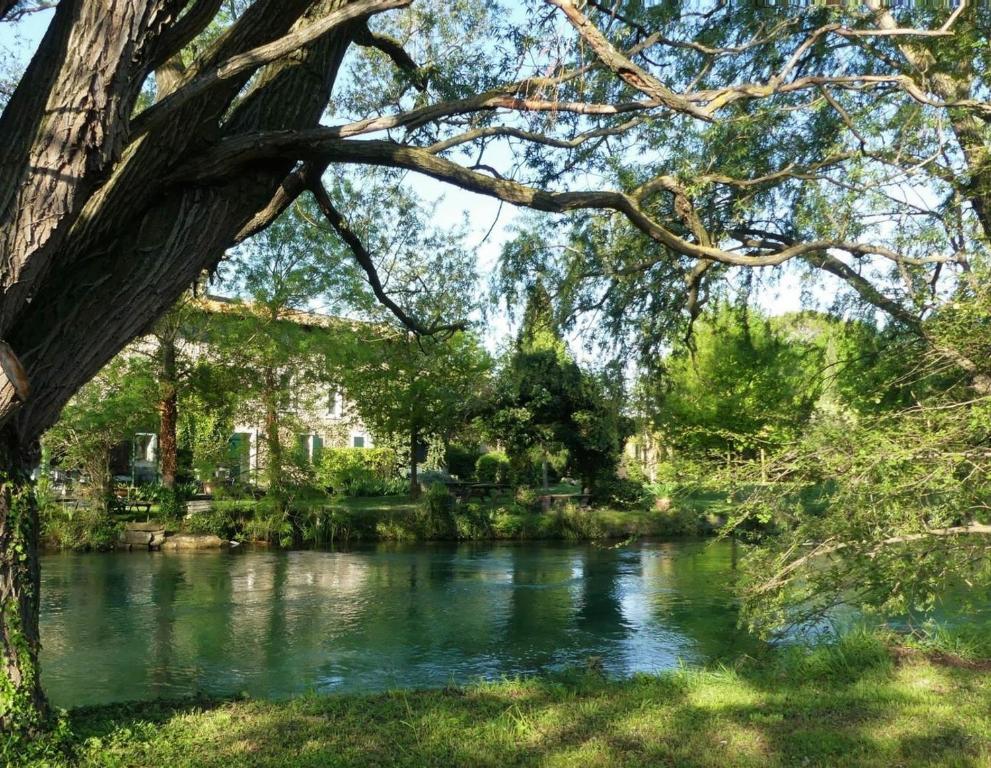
(147, 138)
(412, 390)
(547, 409)
(105, 413)
(743, 386)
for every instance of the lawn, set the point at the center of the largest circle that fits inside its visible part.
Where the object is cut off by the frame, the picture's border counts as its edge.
(854, 704)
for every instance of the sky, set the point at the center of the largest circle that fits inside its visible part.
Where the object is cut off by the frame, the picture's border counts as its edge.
(490, 224)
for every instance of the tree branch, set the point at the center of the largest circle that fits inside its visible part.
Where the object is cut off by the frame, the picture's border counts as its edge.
(12, 10)
(184, 30)
(365, 261)
(257, 57)
(392, 48)
(291, 188)
(621, 65)
(785, 575)
(324, 144)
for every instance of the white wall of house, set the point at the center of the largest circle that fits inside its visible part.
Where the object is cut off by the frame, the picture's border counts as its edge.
(326, 419)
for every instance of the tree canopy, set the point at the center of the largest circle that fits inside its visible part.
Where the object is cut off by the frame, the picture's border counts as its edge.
(148, 137)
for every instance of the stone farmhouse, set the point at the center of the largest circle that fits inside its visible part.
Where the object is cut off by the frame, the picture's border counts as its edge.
(318, 416)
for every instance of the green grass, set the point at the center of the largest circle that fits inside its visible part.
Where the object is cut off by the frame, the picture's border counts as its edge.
(852, 704)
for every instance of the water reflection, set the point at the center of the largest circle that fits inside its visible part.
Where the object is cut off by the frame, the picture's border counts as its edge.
(138, 625)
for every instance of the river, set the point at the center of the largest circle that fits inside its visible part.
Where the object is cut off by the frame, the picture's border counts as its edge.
(271, 624)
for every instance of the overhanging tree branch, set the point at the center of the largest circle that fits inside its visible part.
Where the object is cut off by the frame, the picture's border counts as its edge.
(257, 57)
(324, 144)
(367, 263)
(789, 571)
(392, 48)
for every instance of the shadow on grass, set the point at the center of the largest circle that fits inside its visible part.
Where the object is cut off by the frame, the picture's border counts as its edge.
(848, 705)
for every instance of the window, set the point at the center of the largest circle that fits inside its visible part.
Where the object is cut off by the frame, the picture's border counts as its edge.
(359, 441)
(309, 448)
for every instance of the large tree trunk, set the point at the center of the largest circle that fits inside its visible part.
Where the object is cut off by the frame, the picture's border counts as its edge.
(273, 441)
(414, 480)
(128, 241)
(22, 702)
(168, 409)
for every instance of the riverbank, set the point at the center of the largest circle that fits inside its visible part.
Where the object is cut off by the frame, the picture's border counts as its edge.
(857, 703)
(348, 520)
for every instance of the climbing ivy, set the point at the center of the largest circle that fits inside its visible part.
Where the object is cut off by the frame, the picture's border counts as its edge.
(20, 713)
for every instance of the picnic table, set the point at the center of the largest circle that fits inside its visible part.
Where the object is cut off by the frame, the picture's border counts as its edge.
(550, 500)
(135, 506)
(467, 491)
(129, 504)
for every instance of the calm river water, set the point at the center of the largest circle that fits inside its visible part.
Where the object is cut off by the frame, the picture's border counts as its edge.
(140, 625)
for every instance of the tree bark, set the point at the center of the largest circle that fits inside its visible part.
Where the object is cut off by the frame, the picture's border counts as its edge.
(273, 442)
(168, 409)
(23, 708)
(94, 235)
(414, 480)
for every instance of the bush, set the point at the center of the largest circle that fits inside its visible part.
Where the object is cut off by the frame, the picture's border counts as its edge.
(393, 530)
(528, 497)
(472, 522)
(435, 517)
(359, 471)
(508, 523)
(461, 461)
(270, 524)
(574, 524)
(623, 494)
(678, 520)
(492, 467)
(430, 477)
(78, 529)
(171, 501)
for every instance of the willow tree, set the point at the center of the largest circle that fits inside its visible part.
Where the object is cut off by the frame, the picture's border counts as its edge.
(147, 137)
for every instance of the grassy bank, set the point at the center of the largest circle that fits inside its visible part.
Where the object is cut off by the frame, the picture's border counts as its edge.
(853, 704)
(347, 520)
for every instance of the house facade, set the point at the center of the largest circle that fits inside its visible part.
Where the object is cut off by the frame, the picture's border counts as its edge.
(316, 416)
(323, 417)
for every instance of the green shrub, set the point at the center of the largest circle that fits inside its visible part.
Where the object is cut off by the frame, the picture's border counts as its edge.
(358, 471)
(575, 524)
(461, 461)
(394, 530)
(78, 529)
(528, 497)
(435, 517)
(226, 519)
(623, 494)
(217, 520)
(431, 476)
(327, 526)
(472, 522)
(508, 523)
(677, 520)
(171, 501)
(492, 467)
(268, 524)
